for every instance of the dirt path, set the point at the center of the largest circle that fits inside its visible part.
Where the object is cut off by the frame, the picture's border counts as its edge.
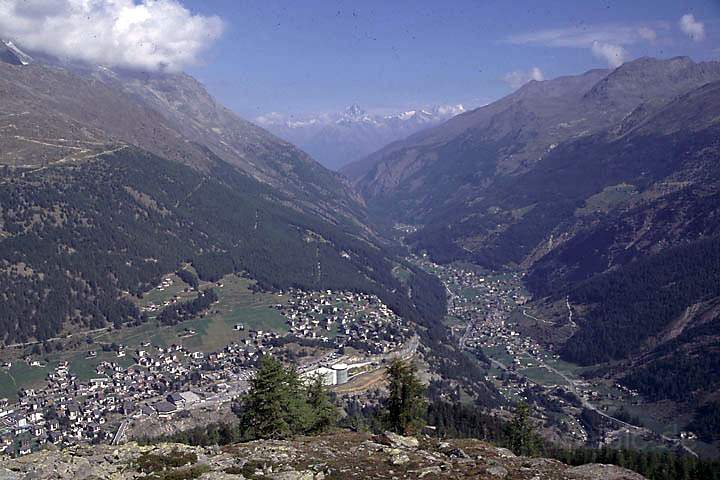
(534, 318)
(362, 382)
(192, 192)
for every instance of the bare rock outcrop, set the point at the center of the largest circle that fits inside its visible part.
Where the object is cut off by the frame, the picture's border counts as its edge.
(340, 455)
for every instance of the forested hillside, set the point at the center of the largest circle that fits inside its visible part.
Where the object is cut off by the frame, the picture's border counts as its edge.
(55, 110)
(78, 240)
(630, 305)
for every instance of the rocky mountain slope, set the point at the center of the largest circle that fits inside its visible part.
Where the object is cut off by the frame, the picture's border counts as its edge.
(335, 456)
(171, 115)
(450, 166)
(605, 188)
(639, 259)
(336, 140)
(111, 179)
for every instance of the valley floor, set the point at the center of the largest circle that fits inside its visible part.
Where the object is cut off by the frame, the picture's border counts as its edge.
(488, 311)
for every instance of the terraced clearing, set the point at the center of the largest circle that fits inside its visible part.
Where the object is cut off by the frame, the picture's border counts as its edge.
(158, 296)
(237, 304)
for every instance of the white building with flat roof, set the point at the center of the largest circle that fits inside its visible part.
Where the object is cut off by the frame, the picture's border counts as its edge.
(328, 375)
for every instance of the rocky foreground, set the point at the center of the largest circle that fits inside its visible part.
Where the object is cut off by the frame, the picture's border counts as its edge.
(342, 455)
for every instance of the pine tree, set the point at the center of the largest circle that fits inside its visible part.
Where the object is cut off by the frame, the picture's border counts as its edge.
(275, 406)
(405, 405)
(521, 434)
(324, 412)
(299, 414)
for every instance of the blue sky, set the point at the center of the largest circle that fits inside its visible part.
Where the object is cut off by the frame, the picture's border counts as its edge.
(297, 57)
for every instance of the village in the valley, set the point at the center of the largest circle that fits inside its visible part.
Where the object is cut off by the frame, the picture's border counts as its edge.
(487, 314)
(342, 336)
(207, 361)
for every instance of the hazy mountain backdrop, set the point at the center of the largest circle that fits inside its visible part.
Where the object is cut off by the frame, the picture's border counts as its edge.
(336, 140)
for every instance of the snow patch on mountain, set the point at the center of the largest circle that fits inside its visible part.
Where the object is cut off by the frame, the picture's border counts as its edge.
(355, 114)
(10, 53)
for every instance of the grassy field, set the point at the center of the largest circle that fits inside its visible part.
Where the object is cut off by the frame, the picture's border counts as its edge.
(569, 369)
(84, 367)
(536, 373)
(543, 376)
(499, 354)
(237, 303)
(610, 197)
(22, 375)
(158, 296)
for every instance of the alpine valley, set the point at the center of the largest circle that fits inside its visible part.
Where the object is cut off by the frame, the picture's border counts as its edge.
(112, 179)
(602, 190)
(555, 252)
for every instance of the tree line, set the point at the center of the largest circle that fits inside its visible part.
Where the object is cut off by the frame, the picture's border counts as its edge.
(173, 314)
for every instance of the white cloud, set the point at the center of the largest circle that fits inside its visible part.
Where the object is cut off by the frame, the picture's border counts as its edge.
(519, 78)
(692, 28)
(144, 34)
(585, 35)
(607, 42)
(647, 33)
(614, 55)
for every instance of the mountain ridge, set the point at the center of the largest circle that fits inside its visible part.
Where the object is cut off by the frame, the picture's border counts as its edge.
(166, 110)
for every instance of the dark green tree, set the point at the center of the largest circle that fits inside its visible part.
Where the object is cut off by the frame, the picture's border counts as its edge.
(405, 406)
(521, 434)
(275, 406)
(300, 415)
(325, 414)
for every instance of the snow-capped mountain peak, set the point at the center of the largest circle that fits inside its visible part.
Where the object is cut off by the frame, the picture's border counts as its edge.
(449, 110)
(404, 115)
(10, 53)
(355, 114)
(338, 138)
(354, 111)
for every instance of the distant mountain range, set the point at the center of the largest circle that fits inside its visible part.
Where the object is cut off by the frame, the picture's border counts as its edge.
(341, 138)
(605, 187)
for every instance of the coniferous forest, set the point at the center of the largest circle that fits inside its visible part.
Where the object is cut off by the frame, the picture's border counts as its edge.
(639, 300)
(114, 226)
